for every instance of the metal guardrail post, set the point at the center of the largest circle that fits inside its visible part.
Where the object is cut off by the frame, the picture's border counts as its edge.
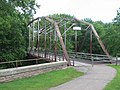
(73, 62)
(92, 61)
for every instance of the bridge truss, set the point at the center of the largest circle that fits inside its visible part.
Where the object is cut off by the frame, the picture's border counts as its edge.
(47, 35)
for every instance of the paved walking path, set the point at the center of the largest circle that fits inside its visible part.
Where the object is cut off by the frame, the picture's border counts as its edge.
(95, 78)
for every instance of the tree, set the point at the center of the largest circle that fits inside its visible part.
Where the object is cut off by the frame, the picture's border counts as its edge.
(110, 34)
(14, 16)
(115, 34)
(117, 18)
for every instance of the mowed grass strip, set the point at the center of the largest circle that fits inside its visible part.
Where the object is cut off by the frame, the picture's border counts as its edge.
(115, 83)
(42, 81)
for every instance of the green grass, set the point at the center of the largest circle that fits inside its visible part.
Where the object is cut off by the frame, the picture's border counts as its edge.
(115, 83)
(43, 81)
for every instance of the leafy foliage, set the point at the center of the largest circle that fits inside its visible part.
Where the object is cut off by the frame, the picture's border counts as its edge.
(14, 15)
(112, 35)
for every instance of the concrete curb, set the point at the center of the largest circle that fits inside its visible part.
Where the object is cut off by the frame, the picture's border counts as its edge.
(28, 71)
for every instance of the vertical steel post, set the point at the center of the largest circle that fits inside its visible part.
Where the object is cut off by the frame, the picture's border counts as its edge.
(50, 41)
(92, 61)
(50, 46)
(91, 47)
(64, 37)
(33, 37)
(29, 37)
(38, 36)
(37, 40)
(45, 36)
(91, 42)
(65, 34)
(75, 40)
(55, 47)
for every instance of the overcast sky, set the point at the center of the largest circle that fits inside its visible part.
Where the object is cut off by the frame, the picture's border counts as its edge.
(104, 10)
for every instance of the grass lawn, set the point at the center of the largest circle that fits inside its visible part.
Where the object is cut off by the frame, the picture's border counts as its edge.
(115, 83)
(42, 81)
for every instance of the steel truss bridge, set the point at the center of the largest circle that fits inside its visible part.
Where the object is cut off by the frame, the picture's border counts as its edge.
(47, 39)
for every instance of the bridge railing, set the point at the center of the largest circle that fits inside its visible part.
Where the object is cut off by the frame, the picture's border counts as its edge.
(50, 54)
(88, 56)
(19, 63)
(49, 57)
(80, 56)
